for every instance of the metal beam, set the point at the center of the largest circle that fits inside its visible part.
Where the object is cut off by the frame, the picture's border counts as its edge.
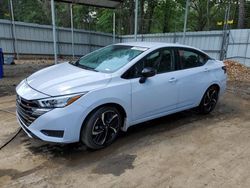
(72, 30)
(224, 44)
(185, 21)
(136, 20)
(54, 29)
(112, 4)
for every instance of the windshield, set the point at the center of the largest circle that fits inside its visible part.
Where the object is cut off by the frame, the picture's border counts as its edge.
(109, 59)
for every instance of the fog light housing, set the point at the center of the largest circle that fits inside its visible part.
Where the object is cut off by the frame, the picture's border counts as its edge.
(53, 133)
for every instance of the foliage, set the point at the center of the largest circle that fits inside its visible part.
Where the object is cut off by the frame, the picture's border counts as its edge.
(154, 15)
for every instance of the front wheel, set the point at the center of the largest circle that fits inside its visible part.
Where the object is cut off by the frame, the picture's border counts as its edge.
(102, 127)
(209, 100)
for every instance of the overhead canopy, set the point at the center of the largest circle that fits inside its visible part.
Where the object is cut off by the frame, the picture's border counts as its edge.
(97, 3)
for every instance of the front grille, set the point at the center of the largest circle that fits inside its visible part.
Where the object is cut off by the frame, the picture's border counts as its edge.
(26, 109)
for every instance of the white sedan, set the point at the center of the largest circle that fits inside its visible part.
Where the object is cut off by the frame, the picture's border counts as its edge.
(109, 90)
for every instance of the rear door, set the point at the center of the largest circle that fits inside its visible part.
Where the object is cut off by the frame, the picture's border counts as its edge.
(193, 76)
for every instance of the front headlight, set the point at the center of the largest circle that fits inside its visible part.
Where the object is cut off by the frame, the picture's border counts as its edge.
(59, 102)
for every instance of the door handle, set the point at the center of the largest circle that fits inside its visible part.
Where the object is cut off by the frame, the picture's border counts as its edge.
(206, 70)
(172, 80)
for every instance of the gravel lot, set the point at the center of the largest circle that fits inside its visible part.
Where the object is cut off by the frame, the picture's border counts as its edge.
(180, 150)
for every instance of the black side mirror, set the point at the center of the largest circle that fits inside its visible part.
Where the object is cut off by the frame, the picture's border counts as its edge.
(147, 72)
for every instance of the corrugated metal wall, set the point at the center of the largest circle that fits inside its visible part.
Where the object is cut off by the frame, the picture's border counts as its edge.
(209, 41)
(34, 39)
(239, 46)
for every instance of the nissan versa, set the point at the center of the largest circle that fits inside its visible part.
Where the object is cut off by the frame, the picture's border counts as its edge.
(93, 99)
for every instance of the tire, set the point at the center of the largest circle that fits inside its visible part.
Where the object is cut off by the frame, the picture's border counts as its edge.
(101, 128)
(209, 100)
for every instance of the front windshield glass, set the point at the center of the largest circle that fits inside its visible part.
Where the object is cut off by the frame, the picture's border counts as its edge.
(109, 59)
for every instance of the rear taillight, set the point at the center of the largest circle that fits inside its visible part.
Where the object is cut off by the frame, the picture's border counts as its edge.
(225, 69)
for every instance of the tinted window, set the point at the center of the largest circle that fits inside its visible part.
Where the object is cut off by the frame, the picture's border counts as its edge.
(190, 58)
(109, 59)
(167, 63)
(161, 60)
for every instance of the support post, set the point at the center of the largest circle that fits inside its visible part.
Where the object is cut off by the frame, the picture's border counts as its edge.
(245, 59)
(13, 31)
(225, 36)
(72, 30)
(54, 29)
(185, 22)
(114, 27)
(208, 20)
(136, 20)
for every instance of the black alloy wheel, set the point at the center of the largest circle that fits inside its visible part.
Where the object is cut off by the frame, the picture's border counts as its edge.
(102, 127)
(209, 100)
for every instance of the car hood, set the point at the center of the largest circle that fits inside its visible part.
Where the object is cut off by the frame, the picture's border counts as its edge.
(65, 78)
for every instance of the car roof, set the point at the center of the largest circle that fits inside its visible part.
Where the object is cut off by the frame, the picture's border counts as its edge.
(156, 45)
(151, 44)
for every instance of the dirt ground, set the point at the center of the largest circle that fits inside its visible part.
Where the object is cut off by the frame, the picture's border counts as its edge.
(180, 150)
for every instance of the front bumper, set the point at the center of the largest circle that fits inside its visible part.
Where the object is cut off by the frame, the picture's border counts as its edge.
(66, 120)
(60, 125)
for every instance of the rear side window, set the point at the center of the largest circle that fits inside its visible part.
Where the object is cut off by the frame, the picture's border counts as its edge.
(190, 58)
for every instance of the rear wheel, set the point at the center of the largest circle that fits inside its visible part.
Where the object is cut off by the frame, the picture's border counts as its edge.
(209, 100)
(102, 127)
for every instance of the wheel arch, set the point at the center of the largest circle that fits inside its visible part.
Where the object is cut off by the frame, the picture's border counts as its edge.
(119, 107)
(214, 85)
(211, 85)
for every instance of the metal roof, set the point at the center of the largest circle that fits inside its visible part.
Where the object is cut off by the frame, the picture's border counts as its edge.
(96, 3)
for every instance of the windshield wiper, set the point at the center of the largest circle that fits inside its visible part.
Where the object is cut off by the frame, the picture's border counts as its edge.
(87, 68)
(83, 66)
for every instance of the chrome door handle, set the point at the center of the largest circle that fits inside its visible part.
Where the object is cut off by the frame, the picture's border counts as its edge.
(172, 80)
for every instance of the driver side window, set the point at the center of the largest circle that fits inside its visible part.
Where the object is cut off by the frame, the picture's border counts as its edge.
(149, 61)
(161, 60)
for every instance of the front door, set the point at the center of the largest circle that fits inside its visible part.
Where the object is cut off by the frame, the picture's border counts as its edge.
(158, 94)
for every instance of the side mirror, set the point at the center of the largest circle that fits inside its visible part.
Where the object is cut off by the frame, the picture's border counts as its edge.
(147, 72)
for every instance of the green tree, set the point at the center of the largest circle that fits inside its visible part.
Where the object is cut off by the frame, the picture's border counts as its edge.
(154, 15)
(241, 14)
(31, 11)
